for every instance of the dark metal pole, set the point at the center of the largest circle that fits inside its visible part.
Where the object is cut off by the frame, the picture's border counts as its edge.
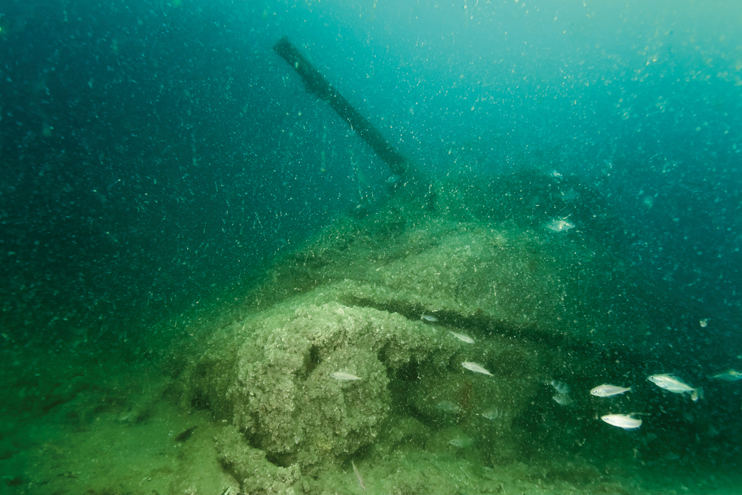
(316, 83)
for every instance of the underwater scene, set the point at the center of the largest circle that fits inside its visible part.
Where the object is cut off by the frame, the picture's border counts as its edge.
(370, 247)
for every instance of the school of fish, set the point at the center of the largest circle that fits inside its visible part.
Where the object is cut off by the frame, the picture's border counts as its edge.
(626, 421)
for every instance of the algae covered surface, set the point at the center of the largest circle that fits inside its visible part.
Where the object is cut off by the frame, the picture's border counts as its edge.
(343, 370)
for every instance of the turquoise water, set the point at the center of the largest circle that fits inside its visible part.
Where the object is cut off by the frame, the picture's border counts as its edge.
(179, 214)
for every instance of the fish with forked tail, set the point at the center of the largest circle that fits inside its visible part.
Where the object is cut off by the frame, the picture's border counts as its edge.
(625, 421)
(608, 390)
(676, 385)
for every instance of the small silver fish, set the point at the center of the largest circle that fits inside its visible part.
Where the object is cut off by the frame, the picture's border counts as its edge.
(563, 399)
(429, 318)
(728, 376)
(475, 368)
(448, 407)
(461, 442)
(625, 421)
(608, 390)
(358, 475)
(676, 385)
(559, 225)
(344, 376)
(463, 338)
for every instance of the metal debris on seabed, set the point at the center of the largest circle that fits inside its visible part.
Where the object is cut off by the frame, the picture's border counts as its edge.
(344, 376)
(676, 385)
(625, 421)
(463, 338)
(475, 368)
(728, 376)
(608, 390)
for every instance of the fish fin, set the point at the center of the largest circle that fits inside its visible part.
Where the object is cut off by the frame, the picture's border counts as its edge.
(697, 394)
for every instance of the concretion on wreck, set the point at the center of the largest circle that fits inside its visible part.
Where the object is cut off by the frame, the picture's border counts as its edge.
(282, 398)
(484, 255)
(538, 304)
